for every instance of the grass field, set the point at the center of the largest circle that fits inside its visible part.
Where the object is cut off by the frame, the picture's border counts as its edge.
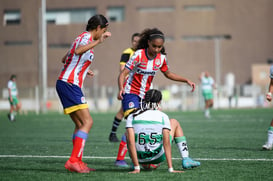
(228, 145)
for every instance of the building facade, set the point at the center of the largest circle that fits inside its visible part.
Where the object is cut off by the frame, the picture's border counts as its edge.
(201, 35)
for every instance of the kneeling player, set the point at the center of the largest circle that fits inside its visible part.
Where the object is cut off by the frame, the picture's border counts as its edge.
(149, 134)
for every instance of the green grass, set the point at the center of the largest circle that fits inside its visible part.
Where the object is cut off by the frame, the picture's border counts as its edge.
(233, 135)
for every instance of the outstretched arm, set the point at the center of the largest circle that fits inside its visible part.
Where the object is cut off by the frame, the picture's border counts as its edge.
(132, 149)
(121, 80)
(168, 151)
(172, 76)
(82, 49)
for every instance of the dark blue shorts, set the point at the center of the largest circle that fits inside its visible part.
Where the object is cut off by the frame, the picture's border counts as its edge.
(71, 97)
(130, 102)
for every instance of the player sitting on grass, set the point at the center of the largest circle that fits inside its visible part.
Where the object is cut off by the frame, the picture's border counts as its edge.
(149, 133)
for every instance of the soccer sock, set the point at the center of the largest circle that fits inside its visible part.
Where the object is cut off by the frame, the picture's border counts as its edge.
(122, 148)
(270, 135)
(115, 125)
(79, 143)
(182, 146)
(73, 141)
(12, 116)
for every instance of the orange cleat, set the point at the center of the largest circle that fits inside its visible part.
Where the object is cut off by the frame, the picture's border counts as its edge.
(76, 167)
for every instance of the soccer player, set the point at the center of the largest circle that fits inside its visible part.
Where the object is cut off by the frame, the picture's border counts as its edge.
(207, 86)
(123, 60)
(149, 58)
(269, 143)
(15, 105)
(149, 132)
(76, 66)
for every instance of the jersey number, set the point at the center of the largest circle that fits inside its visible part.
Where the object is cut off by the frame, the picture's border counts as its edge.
(142, 141)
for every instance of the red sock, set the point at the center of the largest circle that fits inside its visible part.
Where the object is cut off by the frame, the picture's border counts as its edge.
(77, 151)
(122, 150)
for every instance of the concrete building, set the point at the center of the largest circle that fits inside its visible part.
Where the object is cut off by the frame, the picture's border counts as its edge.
(217, 36)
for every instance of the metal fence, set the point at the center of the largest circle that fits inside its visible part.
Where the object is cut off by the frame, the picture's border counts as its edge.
(175, 98)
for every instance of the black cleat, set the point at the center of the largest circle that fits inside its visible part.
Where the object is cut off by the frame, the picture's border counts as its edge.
(113, 137)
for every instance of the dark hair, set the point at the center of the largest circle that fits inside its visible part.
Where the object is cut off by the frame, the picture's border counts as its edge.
(12, 76)
(150, 34)
(151, 101)
(134, 35)
(95, 21)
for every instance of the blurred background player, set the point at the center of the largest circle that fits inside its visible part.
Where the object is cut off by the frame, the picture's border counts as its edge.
(149, 132)
(126, 54)
(269, 143)
(76, 66)
(149, 58)
(207, 86)
(15, 105)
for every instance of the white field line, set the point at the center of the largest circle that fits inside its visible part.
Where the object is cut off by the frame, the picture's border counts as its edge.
(97, 157)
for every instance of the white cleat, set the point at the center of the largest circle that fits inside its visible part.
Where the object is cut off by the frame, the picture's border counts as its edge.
(267, 146)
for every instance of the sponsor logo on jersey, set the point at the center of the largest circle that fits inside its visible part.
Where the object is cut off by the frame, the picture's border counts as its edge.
(139, 71)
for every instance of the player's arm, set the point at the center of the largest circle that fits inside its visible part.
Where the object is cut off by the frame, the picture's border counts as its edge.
(130, 135)
(83, 48)
(64, 57)
(270, 90)
(121, 80)
(172, 76)
(168, 151)
(10, 97)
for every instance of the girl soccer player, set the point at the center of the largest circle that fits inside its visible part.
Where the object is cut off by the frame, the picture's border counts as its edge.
(141, 69)
(76, 66)
(149, 132)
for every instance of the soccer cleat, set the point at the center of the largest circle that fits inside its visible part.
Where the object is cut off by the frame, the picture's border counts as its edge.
(78, 167)
(88, 168)
(267, 146)
(113, 137)
(189, 163)
(121, 163)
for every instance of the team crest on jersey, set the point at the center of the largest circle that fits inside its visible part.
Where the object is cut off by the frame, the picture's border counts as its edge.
(157, 64)
(143, 63)
(83, 100)
(131, 105)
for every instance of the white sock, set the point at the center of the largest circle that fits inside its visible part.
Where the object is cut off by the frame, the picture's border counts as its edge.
(182, 146)
(270, 136)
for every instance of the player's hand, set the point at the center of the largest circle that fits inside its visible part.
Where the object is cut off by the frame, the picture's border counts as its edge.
(105, 35)
(90, 73)
(177, 171)
(190, 83)
(135, 171)
(269, 96)
(121, 92)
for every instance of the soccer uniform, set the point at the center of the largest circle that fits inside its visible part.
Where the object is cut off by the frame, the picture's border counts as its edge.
(148, 128)
(74, 71)
(13, 91)
(142, 72)
(206, 85)
(126, 55)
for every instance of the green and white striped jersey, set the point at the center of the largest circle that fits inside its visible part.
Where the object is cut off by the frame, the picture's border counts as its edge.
(148, 128)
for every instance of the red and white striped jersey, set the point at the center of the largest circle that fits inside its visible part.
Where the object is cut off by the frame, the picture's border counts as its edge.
(76, 66)
(142, 72)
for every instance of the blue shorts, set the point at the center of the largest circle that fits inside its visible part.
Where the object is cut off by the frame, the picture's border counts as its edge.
(71, 97)
(130, 102)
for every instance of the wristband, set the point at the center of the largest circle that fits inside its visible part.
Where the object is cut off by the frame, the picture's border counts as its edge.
(170, 169)
(137, 167)
(269, 94)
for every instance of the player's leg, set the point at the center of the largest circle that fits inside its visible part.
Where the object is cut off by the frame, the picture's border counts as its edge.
(181, 142)
(83, 117)
(116, 123)
(269, 143)
(130, 102)
(11, 114)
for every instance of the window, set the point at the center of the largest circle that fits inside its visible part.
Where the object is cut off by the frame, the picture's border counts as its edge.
(115, 14)
(199, 7)
(12, 17)
(69, 16)
(155, 9)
